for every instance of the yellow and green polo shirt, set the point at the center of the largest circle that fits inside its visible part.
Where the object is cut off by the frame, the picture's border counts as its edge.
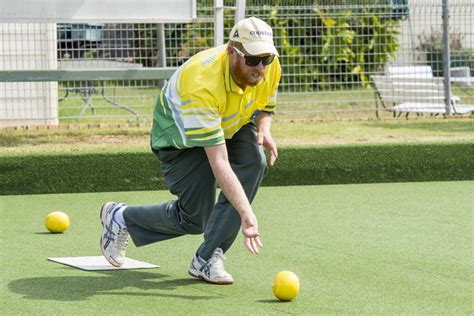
(201, 105)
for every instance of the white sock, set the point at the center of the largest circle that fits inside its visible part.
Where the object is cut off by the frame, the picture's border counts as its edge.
(118, 216)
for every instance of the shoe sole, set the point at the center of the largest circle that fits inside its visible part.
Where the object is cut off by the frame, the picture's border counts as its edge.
(200, 277)
(112, 262)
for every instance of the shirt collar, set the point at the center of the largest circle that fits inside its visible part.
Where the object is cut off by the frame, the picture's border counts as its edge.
(230, 84)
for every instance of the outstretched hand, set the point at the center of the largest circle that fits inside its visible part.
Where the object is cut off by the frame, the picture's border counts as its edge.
(251, 235)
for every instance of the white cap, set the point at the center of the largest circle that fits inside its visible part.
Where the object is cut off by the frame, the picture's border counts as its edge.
(255, 35)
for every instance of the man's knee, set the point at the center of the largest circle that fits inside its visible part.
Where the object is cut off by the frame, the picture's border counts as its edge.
(258, 163)
(196, 229)
(261, 162)
(194, 222)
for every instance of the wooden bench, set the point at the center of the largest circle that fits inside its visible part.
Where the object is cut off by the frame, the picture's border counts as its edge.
(416, 94)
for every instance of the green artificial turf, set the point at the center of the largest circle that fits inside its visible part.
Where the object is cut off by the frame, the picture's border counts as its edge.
(403, 248)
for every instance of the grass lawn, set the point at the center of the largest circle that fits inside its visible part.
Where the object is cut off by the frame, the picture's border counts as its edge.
(400, 248)
(358, 103)
(286, 133)
(322, 118)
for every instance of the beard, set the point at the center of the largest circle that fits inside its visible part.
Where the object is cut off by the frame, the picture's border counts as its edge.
(246, 76)
(254, 78)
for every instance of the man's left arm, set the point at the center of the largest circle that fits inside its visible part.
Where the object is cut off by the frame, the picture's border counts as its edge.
(264, 136)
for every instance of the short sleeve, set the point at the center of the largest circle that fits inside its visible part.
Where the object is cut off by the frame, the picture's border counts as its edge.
(201, 121)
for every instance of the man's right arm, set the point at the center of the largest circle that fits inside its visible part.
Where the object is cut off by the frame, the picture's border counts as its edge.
(233, 190)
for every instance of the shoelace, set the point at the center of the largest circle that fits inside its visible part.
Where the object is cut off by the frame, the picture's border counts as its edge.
(217, 260)
(122, 239)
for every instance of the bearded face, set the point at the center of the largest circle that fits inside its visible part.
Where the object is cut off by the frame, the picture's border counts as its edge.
(243, 74)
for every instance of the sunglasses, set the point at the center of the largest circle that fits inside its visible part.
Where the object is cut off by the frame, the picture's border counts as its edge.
(253, 61)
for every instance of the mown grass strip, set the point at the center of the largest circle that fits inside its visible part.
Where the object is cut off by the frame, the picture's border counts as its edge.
(133, 171)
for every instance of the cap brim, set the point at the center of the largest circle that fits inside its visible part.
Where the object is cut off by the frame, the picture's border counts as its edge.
(260, 48)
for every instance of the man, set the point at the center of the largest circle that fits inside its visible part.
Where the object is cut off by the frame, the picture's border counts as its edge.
(209, 125)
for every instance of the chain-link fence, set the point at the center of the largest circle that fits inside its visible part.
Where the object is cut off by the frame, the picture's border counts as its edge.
(331, 50)
(340, 59)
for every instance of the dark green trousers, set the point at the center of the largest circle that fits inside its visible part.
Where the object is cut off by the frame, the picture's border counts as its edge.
(188, 175)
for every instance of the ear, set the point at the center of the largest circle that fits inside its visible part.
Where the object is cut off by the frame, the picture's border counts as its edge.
(232, 54)
(230, 51)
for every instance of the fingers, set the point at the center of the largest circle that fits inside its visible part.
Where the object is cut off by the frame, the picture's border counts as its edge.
(259, 138)
(269, 145)
(250, 231)
(273, 157)
(273, 153)
(253, 244)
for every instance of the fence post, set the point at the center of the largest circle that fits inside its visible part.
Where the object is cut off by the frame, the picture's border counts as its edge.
(446, 58)
(239, 10)
(161, 48)
(218, 22)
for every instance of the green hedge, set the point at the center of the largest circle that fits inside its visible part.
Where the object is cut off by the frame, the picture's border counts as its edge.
(97, 172)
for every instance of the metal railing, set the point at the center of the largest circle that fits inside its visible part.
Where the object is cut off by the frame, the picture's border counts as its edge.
(96, 71)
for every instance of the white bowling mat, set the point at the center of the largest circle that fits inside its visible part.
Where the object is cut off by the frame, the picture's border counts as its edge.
(99, 263)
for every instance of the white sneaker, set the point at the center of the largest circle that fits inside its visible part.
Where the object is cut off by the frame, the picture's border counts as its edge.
(114, 239)
(213, 270)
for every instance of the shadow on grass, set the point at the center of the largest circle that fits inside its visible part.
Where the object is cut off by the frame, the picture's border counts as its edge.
(78, 288)
(275, 301)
